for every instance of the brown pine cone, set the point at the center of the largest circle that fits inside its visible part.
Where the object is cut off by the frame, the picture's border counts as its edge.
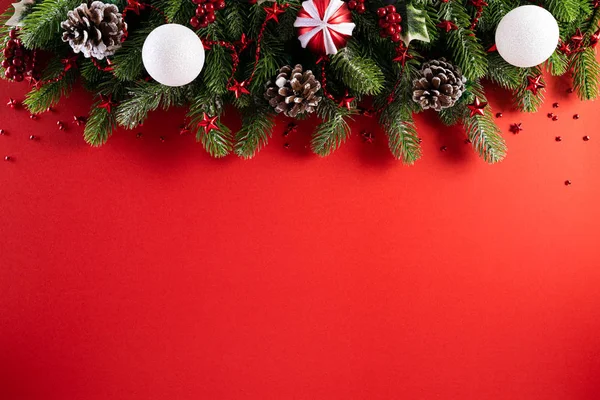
(96, 31)
(294, 91)
(440, 86)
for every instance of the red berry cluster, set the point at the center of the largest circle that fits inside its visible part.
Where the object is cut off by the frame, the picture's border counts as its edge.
(389, 22)
(357, 5)
(205, 12)
(16, 58)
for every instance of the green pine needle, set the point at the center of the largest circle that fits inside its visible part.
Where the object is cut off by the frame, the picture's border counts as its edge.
(42, 26)
(586, 74)
(257, 126)
(99, 126)
(361, 75)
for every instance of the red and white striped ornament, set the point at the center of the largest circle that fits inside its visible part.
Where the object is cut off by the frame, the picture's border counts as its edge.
(324, 25)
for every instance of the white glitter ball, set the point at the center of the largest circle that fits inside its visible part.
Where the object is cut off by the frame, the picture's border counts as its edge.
(173, 55)
(527, 36)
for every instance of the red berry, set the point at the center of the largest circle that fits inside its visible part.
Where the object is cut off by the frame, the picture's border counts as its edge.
(194, 23)
(11, 44)
(220, 4)
(390, 9)
(360, 8)
(5, 64)
(13, 34)
(200, 12)
(381, 12)
(18, 77)
(18, 52)
(209, 7)
(391, 30)
(382, 23)
(197, 2)
(210, 18)
(17, 62)
(352, 4)
(395, 37)
(8, 53)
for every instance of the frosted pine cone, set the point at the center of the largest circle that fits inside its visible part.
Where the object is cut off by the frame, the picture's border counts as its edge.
(294, 91)
(96, 31)
(440, 86)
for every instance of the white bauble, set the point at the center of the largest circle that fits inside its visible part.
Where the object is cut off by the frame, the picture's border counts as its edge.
(527, 36)
(173, 55)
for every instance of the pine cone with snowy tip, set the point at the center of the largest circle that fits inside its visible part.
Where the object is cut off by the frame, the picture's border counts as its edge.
(96, 31)
(440, 86)
(294, 91)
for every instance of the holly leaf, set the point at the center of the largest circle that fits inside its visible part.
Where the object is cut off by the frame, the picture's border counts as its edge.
(414, 25)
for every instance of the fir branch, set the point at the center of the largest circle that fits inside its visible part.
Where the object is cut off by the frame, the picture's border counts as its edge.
(333, 131)
(128, 65)
(361, 75)
(99, 126)
(42, 26)
(217, 69)
(467, 53)
(558, 63)
(271, 59)
(233, 20)
(38, 100)
(177, 11)
(218, 142)
(145, 97)
(524, 99)
(502, 73)
(257, 126)
(586, 74)
(485, 136)
(563, 10)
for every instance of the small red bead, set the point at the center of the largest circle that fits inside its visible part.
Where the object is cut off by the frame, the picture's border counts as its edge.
(555, 118)
(32, 116)
(558, 139)
(7, 158)
(555, 105)
(32, 137)
(586, 138)
(550, 115)
(567, 182)
(443, 148)
(576, 116)
(499, 115)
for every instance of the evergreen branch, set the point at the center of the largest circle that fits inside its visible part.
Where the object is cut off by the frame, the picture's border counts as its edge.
(38, 100)
(99, 126)
(485, 136)
(361, 75)
(177, 11)
(272, 57)
(502, 73)
(145, 97)
(563, 10)
(586, 74)
(42, 26)
(333, 131)
(558, 63)
(218, 142)
(217, 69)
(467, 53)
(128, 65)
(524, 99)
(257, 126)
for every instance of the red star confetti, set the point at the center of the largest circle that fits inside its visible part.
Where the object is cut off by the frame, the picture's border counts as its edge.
(274, 11)
(79, 120)
(447, 25)
(477, 107)
(135, 6)
(367, 136)
(106, 103)
(208, 123)
(69, 62)
(402, 54)
(12, 103)
(239, 88)
(535, 83)
(516, 128)
(347, 101)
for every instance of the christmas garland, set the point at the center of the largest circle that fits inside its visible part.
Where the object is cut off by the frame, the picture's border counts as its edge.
(384, 59)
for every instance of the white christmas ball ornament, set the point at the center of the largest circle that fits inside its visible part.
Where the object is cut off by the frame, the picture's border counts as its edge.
(527, 36)
(173, 55)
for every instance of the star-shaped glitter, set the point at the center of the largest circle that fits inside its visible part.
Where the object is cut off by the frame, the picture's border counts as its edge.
(243, 42)
(273, 12)
(564, 47)
(534, 83)
(477, 107)
(208, 123)
(79, 120)
(402, 54)
(238, 88)
(447, 25)
(35, 83)
(516, 128)
(347, 101)
(69, 62)
(106, 103)
(367, 136)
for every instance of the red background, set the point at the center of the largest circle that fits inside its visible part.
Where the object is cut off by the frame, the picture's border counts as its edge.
(147, 270)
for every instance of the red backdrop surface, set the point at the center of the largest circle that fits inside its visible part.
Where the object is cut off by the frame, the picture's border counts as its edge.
(147, 270)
